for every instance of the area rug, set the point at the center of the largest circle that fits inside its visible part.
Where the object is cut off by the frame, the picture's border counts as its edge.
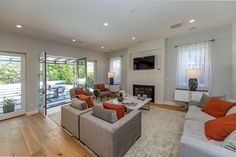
(161, 132)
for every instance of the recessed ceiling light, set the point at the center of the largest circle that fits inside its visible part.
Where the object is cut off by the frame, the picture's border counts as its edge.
(18, 26)
(133, 38)
(102, 47)
(192, 21)
(73, 40)
(105, 24)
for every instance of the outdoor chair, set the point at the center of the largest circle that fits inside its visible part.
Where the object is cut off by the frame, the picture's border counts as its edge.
(60, 91)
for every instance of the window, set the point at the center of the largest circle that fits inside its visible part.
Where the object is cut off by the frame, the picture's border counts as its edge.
(191, 57)
(115, 66)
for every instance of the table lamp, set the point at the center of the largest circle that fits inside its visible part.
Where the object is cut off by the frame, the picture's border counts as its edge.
(111, 76)
(193, 75)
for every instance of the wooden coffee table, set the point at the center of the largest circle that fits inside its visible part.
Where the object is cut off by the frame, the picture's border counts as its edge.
(132, 103)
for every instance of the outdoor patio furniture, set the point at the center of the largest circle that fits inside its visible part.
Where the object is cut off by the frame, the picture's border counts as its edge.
(60, 91)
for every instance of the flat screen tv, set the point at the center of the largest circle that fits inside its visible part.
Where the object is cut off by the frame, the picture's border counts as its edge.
(144, 63)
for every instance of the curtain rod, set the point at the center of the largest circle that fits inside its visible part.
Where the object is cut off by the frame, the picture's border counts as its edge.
(212, 40)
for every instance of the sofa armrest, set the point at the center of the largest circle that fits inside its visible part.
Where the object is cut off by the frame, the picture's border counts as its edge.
(193, 103)
(70, 119)
(108, 139)
(193, 147)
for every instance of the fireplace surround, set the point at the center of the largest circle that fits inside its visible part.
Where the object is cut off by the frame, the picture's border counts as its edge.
(148, 90)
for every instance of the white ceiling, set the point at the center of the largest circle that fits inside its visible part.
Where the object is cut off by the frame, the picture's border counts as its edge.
(146, 20)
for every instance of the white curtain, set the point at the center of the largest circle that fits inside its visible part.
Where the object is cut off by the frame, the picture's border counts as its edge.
(115, 66)
(195, 56)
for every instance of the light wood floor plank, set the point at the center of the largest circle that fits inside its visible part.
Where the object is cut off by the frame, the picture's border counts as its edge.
(18, 145)
(36, 135)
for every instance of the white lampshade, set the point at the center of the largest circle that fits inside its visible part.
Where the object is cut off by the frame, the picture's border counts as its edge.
(111, 74)
(193, 73)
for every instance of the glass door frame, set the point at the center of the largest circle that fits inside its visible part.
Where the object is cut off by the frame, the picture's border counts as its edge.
(43, 88)
(23, 86)
(77, 70)
(94, 69)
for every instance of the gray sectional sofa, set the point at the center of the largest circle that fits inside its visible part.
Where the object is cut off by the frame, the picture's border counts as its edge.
(193, 141)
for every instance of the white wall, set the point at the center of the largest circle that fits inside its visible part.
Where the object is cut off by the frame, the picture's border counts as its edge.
(147, 77)
(123, 54)
(33, 47)
(234, 57)
(221, 59)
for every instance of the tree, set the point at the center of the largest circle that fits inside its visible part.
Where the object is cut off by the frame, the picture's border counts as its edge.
(10, 73)
(60, 72)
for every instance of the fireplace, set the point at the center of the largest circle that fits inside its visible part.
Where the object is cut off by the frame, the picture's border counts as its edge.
(148, 90)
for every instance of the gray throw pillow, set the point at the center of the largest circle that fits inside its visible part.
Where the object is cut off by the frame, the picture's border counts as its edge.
(230, 142)
(105, 114)
(205, 98)
(76, 103)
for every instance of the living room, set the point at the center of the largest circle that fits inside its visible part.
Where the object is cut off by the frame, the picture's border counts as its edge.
(154, 67)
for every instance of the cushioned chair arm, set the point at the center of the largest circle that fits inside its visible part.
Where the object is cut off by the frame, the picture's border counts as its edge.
(107, 89)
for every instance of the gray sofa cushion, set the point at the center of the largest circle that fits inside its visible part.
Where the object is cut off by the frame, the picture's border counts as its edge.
(76, 103)
(205, 98)
(105, 114)
(230, 142)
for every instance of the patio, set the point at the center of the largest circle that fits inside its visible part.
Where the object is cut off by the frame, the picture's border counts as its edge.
(57, 94)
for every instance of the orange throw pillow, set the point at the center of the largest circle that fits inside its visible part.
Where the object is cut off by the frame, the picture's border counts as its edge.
(120, 109)
(87, 99)
(218, 129)
(79, 91)
(217, 108)
(101, 87)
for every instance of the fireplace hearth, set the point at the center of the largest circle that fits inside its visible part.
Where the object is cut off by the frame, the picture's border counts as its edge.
(148, 90)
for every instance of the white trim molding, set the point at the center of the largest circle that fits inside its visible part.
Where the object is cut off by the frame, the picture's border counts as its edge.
(32, 112)
(172, 103)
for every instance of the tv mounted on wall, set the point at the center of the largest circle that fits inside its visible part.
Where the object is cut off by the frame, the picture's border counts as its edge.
(144, 63)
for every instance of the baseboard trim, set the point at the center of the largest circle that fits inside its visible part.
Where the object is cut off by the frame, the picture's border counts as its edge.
(171, 103)
(32, 112)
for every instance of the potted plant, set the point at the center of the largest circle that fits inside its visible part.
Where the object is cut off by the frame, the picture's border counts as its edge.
(8, 105)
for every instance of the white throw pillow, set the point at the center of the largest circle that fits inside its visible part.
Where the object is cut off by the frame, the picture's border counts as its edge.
(230, 142)
(231, 110)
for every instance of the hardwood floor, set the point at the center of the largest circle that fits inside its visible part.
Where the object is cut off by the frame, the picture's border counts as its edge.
(176, 108)
(36, 135)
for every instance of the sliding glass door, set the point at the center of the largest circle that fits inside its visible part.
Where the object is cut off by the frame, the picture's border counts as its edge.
(12, 85)
(91, 73)
(43, 84)
(82, 72)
